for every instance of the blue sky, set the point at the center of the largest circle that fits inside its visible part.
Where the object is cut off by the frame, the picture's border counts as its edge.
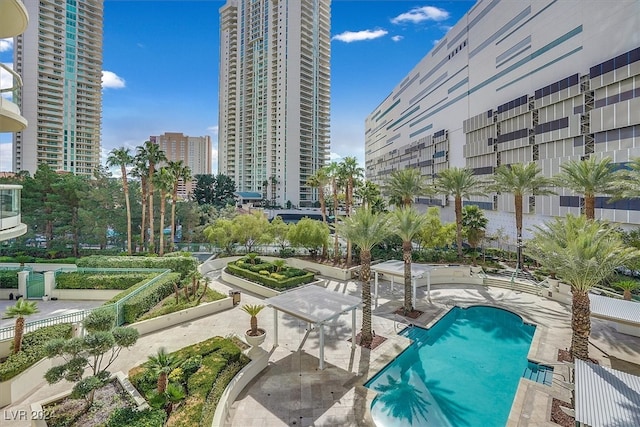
(161, 66)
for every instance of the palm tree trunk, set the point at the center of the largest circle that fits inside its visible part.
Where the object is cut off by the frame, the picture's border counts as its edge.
(152, 240)
(348, 208)
(518, 204)
(174, 201)
(458, 209)
(627, 295)
(125, 187)
(366, 336)
(336, 249)
(323, 205)
(162, 382)
(143, 226)
(408, 290)
(580, 324)
(17, 335)
(590, 206)
(163, 205)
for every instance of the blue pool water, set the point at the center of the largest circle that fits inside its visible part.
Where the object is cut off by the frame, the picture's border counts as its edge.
(463, 371)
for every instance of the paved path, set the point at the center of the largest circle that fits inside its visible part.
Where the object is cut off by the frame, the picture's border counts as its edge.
(293, 392)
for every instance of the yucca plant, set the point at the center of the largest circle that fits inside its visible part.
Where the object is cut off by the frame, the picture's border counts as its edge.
(253, 310)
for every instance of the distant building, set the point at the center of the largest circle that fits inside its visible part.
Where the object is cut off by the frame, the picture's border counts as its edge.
(194, 151)
(274, 96)
(59, 58)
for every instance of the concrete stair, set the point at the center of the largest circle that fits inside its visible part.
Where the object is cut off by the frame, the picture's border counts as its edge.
(516, 285)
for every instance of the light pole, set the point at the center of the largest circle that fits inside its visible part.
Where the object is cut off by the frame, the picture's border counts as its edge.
(519, 253)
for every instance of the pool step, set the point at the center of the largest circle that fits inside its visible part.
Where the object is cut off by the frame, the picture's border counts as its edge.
(539, 373)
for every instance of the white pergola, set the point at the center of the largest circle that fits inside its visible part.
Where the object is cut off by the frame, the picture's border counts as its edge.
(395, 268)
(316, 306)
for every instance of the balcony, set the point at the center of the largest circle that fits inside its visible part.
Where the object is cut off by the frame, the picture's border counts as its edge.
(13, 18)
(10, 118)
(10, 219)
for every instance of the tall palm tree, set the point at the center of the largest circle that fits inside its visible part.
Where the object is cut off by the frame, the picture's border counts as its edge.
(160, 363)
(178, 172)
(350, 172)
(404, 186)
(163, 180)
(320, 180)
(333, 172)
(582, 252)
(368, 192)
(153, 155)
(122, 157)
(141, 171)
(407, 224)
(365, 230)
(22, 309)
(459, 183)
(588, 177)
(519, 179)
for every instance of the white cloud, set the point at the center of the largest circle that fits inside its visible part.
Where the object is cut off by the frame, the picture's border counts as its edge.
(214, 160)
(420, 14)
(111, 80)
(397, 38)
(355, 36)
(334, 157)
(213, 130)
(6, 44)
(6, 156)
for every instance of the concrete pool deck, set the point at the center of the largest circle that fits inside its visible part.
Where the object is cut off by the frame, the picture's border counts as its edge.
(293, 392)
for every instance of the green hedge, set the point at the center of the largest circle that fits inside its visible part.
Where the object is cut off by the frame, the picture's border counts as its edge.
(121, 280)
(218, 361)
(127, 417)
(183, 265)
(139, 304)
(9, 279)
(269, 281)
(32, 349)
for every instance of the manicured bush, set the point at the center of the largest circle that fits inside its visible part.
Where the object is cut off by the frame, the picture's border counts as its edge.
(142, 302)
(281, 281)
(9, 279)
(33, 349)
(225, 377)
(120, 280)
(182, 265)
(127, 417)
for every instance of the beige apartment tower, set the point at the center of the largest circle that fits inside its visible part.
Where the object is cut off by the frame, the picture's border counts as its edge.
(274, 96)
(59, 58)
(193, 151)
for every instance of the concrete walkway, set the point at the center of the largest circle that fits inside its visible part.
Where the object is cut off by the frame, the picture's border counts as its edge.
(293, 392)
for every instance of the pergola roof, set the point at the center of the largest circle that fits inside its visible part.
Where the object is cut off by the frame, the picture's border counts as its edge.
(616, 309)
(396, 268)
(605, 396)
(313, 304)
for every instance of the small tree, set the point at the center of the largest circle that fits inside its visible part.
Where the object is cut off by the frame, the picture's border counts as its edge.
(19, 311)
(97, 350)
(434, 234)
(160, 364)
(474, 223)
(250, 229)
(627, 286)
(220, 234)
(253, 310)
(278, 230)
(310, 234)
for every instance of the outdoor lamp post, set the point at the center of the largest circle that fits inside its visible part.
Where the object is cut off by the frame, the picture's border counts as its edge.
(519, 253)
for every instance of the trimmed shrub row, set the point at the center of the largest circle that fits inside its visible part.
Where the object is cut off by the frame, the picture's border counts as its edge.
(80, 280)
(32, 349)
(127, 417)
(139, 304)
(270, 281)
(183, 265)
(9, 279)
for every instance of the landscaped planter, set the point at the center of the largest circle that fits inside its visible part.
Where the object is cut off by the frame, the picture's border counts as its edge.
(186, 315)
(23, 384)
(248, 285)
(38, 414)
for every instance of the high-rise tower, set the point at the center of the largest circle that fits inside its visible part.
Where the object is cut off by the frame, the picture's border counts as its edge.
(59, 58)
(274, 95)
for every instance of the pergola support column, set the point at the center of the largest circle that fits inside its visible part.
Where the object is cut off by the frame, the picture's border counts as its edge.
(321, 326)
(353, 328)
(275, 327)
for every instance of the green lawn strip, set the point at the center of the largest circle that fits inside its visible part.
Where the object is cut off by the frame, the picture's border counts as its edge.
(198, 368)
(169, 305)
(32, 349)
(119, 281)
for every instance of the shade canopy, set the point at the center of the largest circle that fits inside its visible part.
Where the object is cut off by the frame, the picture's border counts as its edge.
(396, 268)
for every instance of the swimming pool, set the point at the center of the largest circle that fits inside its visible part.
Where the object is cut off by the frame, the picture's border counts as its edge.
(463, 371)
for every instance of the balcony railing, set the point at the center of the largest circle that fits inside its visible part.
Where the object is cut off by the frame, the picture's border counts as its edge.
(10, 218)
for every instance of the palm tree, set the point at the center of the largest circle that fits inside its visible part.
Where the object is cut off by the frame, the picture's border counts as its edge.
(407, 225)
(352, 173)
(365, 230)
(333, 172)
(474, 223)
(459, 183)
(253, 310)
(588, 177)
(404, 186)
(140, 170)
(583, 253)
(164, 181)
(121, 157)
(627, 286)
(319, 180)
(151, 153)
(19, 311)
(368, 192)
(178, 172)
(627, 181)
(161, 363)
(519, 179)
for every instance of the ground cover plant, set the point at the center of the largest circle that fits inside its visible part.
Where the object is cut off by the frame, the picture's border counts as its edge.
(172, 304)
(33, 349)
(274, 275)
(200, 372)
